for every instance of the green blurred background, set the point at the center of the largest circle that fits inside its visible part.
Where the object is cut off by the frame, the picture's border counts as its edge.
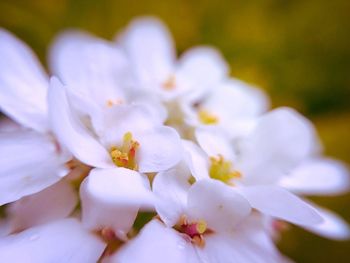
(298, 51)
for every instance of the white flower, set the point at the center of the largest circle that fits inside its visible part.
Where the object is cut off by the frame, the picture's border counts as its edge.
(205, 222)
(124, 144)
(232, 105)
(152, 56)
(61, 241)
(254, 165)
(97, 74)
(31, 160)
(124, 136)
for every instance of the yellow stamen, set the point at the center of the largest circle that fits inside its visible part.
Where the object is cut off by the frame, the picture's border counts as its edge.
(125, 156)
(221, 170)
(201, 226)
(206, 117)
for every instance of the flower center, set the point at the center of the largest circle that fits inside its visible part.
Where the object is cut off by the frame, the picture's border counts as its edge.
(206, 117)
(124, 156)
(222, 170)
(169, 83)
(193, 230)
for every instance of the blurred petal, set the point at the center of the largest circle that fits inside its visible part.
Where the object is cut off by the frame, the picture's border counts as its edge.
(170, 188)
(156, 243)
(61, 241)
(277, 202)
(281, 139)
(112, 198)
(201, 68)
(197, 160)
(53, 203)
(219, 205)
(29, 163)
(160, 149)
(23, 84)
(150, 48)
(116, 121)
(214, 143)
(318, 177)
(71, 133)
(94, 68)
(332, 226)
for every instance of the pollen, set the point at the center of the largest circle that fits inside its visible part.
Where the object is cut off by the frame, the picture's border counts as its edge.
(125, 156)
(194, 231)
(222, 170)
(206, 117)
(170, 83)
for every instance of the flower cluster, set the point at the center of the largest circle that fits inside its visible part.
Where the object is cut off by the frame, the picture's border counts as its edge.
(126, 153)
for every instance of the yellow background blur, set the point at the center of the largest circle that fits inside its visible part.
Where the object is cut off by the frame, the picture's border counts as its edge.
(298, 51)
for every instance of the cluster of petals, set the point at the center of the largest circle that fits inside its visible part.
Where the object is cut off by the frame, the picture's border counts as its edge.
(125, 153)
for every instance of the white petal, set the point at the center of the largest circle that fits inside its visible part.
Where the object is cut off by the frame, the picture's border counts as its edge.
(116, 121)
(197, 160)
(277, 202)
(318, 177)
(29, 163)
(241, 248)
(280, 141)
(237, 99)
(112, 198)
(156, 243)
(170, 188)
(332, 226)
(218, 204)
(160, 149)
(53, 203)
(23, 84)
(61, 241)
(150, 48)
(71, 133)
(94, 68)
(236, 106)
(201, 68)
(214, 143)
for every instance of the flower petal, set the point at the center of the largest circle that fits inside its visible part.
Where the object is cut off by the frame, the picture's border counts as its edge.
(214, 143)
(318, 177)
(281, 139)
(150, 48)
(23, 84)
(112, 198)
(197, 160)
(61, 241)
(53, 203)
(71, 133)
(332, 226)
(277, 202)
(29, 163)
(116, 121)
(218, 204)
(160, 149)
(170, 188)
(201, 68)
(156, 243)
(94, 68)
